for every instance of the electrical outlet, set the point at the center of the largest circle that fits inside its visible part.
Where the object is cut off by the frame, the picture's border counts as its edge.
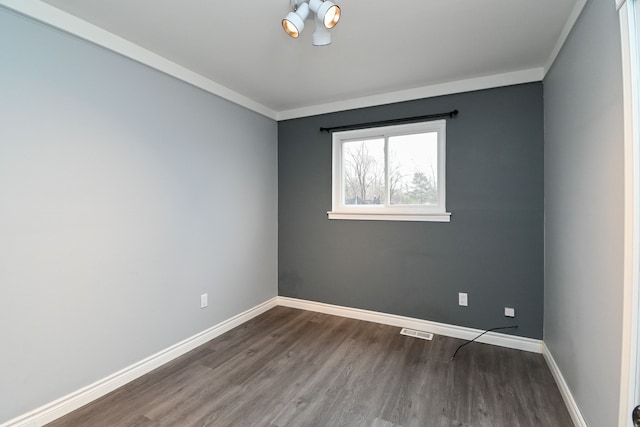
(509, 312)
(463, 299)
(204, 300)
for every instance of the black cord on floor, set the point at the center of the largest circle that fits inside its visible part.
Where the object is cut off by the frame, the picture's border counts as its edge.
(488, 330)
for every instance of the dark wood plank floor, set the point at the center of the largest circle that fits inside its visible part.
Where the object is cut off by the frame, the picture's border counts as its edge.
(290, 367)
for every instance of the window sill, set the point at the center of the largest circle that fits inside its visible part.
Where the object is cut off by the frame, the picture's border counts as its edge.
(433, 217)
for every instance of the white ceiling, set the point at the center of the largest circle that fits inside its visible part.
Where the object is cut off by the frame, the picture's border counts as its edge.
(378, 47)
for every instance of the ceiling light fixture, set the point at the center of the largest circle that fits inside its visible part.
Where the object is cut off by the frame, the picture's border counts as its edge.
(326, 11)
(327, 15)
(321, 35)
(293, 23)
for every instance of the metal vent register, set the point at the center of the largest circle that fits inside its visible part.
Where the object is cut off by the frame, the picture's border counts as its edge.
(417, 334)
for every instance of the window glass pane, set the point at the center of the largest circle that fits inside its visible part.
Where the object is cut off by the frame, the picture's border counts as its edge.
(413, 169)
(363, 163)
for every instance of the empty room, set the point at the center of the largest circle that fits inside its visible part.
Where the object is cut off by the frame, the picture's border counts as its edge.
(319, 213)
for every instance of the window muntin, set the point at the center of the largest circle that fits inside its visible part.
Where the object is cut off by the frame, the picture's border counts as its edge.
(390, 173)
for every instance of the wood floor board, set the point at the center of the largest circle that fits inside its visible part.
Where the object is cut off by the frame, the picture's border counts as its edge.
(290, 367)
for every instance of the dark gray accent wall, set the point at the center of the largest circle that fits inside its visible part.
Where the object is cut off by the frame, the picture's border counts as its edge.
(584, 213)
(492, 248)
(125, 194)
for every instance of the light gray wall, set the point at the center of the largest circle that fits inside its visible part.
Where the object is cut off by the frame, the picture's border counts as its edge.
(584, 212)
(492, 248)
(124, 195)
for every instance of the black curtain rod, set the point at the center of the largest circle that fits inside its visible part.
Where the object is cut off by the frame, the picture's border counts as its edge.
(450, 114)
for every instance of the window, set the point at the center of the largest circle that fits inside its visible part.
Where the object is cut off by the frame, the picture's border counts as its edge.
(392, 173)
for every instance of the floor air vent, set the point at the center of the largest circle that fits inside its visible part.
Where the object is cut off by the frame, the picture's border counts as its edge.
(416, 334)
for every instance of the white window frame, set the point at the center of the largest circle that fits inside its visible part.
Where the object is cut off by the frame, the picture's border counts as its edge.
(385, 211)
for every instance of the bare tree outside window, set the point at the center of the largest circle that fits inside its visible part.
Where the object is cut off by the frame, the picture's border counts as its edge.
(412, 170)
(413, 162)
(364, 172)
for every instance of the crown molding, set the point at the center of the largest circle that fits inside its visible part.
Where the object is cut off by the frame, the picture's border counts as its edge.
(47, 14)
(568, 26)
(459, 86)
(68, 23)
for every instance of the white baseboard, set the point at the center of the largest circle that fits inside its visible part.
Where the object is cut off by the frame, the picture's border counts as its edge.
(569, 401)
(75, 400)
(502, 340)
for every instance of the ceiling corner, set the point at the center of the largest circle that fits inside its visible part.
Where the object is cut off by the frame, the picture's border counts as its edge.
(566, 30)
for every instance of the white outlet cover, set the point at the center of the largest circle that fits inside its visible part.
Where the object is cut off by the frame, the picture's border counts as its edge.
(463, 299)
(509, 312)
(204, 300)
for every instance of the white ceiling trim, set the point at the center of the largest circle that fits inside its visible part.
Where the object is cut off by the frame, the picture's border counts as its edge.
(56, 18)
(487, 82)
(571, 21)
